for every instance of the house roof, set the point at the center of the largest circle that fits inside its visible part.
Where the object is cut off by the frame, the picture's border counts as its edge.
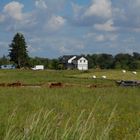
(65, 58)
(78, 57)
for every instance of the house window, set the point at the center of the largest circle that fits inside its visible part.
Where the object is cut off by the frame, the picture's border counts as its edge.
(84, 61)
(80, 61)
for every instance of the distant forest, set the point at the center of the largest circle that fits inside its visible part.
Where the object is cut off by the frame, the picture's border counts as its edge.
(95, 61)
(119, 61)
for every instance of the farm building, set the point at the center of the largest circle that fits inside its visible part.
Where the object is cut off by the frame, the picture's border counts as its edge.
(74, 62)
(38, 67)
(9, 66)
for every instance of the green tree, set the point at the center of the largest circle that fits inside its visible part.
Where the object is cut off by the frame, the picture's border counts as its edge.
(136, 56)
(4, 60)
(92, 60)
(54, 64)
(39, 61)
(105, 61)
(18, 51)
(125, 60)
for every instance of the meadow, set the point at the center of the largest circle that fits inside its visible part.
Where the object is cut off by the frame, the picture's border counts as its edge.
(69, 113)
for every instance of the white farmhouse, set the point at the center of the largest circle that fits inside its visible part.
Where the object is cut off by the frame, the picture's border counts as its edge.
(81, 63)
(75, 62)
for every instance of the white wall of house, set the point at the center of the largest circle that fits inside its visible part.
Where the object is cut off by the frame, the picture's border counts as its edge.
(82, 64)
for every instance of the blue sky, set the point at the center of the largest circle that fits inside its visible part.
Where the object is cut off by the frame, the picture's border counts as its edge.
(53, 28)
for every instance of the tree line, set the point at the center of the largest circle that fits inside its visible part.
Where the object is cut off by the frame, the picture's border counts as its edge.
(118, 61)
(32, 61)
(18, 55)
(95, 61)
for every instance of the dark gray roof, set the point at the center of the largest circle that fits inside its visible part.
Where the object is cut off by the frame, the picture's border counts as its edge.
(65, 58)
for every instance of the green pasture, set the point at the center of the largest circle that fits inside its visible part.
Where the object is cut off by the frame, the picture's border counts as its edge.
(110, 74)
(69, 113)
(70, 76)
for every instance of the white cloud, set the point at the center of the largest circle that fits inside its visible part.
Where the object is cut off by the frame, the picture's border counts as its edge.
(129, 40)
(106, 37)
(107, 26)
(127, 17)
(14, 10)
(107, 21)
(119, 13)
(55, 23)
(100, 37)
(65, 45)
(34, 49)
(136, 29)
(14, 17)
(63, 49)
(75, 47)
(70, 46)
(76, 9)
(2, 18)
(100, 8)
(41, 4)
(59, 44)
(136, 3)
(55, 5)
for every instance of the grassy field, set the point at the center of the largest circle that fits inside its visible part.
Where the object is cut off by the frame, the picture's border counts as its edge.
(111, 74)
(68, 113)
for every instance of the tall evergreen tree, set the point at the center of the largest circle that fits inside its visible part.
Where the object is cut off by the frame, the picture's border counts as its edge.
(18, 51)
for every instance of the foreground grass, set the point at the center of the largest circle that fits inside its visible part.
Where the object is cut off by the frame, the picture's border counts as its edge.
(70, 113)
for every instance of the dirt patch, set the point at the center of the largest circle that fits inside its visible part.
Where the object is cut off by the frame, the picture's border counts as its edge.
(55, 85)
(32, 85)
(16, 84)
(3, 84)
(100, 86)
(92, 86)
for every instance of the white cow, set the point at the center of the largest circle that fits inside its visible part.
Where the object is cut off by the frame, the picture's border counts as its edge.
(94, 76)
(104, 77)
(134, 72)
(124, 71)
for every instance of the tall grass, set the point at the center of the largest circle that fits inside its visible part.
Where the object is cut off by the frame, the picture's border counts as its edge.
(49, 125)
(69, 113)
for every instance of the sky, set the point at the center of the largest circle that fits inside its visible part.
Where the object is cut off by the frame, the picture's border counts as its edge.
(54, 28)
